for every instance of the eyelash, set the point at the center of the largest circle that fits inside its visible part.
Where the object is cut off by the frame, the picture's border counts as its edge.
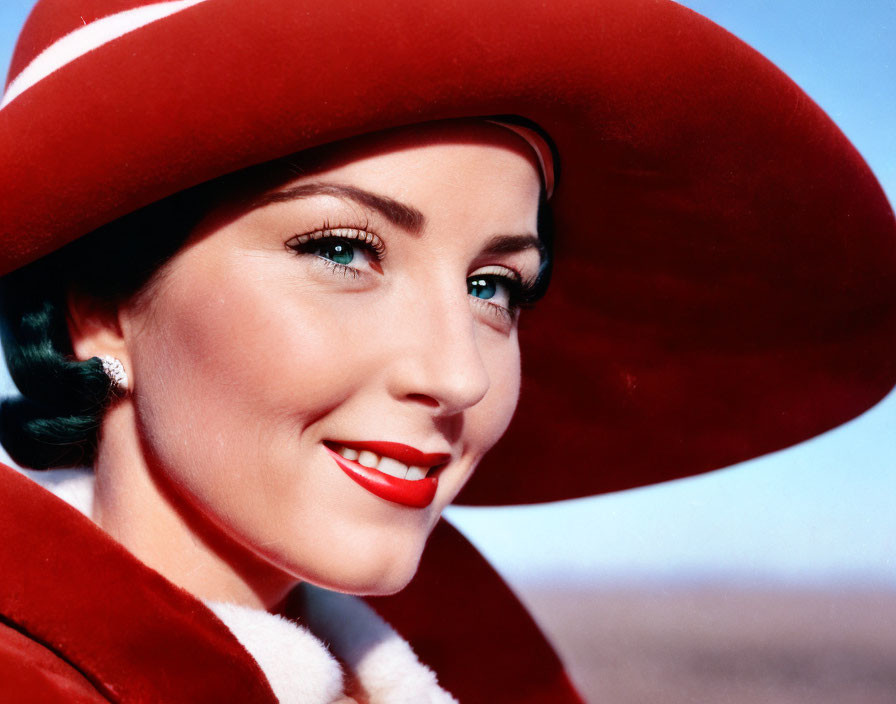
(369, 241)
(521, 294)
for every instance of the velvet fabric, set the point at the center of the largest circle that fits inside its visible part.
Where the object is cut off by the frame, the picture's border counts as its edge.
(725, 280)
(81, 620)
(98, 612)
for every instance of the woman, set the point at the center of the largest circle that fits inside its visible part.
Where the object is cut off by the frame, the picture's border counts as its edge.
(372, 285)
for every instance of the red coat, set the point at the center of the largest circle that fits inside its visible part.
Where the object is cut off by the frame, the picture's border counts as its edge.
(81, 620)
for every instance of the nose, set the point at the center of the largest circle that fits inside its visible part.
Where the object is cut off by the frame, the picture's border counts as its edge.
(437, 360)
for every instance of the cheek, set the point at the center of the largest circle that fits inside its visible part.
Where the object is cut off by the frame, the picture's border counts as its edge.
(229, 367)
(244, 348)
(229, 371)
(489, 419)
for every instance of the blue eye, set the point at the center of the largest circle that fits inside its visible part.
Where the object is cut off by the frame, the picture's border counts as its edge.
(344, 251)
(482, 287)
(336, 250)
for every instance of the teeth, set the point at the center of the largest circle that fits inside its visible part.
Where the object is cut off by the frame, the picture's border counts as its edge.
(369, 459)
(348, 453)
(384, 464)
(416, 473)
(393, 467)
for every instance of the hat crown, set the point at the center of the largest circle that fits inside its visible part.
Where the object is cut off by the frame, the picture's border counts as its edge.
(50, 20)
(53, 20)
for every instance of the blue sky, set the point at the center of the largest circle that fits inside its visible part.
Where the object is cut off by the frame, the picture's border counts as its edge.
(822, 512)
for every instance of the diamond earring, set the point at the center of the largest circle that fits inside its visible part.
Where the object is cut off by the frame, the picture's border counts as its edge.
(115, 371)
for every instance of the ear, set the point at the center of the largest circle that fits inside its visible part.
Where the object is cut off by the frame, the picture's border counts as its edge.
(94, 327)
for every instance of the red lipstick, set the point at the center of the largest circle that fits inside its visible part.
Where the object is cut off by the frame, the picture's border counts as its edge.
(414, 493)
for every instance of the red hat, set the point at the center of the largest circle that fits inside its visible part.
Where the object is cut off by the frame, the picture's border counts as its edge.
(725, 274)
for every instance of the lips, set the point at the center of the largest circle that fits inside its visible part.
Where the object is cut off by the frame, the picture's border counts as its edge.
(390, 470)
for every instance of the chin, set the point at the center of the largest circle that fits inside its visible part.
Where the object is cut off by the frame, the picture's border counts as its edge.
(367, 582)
(359, 562)
(392, 584)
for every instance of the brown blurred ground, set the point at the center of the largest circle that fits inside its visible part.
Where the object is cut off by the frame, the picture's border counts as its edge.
(723, 645)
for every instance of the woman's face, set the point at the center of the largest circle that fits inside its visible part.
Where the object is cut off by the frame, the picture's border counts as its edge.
(368, 301)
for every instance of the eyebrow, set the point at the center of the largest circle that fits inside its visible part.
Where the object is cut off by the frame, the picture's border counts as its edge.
(404, 216)
(510, 244)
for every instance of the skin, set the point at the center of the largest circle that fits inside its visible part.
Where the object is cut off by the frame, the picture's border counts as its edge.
(245, 355)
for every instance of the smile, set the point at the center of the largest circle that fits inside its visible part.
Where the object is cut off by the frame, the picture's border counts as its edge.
(391, 470)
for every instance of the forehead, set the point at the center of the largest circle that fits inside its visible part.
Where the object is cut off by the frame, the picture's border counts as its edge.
(494, 176)
(459, 170)
(461, 175)
(470, 138)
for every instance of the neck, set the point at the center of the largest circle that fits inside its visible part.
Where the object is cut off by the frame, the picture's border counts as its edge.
(159, 523)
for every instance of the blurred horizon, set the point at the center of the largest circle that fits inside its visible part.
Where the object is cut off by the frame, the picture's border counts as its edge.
(821, 513)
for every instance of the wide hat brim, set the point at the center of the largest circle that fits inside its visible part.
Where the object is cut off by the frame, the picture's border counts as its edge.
(725, 278)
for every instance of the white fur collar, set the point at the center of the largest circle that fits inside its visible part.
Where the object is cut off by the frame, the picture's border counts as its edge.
(298, 665)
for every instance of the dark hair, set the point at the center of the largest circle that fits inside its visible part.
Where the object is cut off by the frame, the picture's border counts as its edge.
(56, 421)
